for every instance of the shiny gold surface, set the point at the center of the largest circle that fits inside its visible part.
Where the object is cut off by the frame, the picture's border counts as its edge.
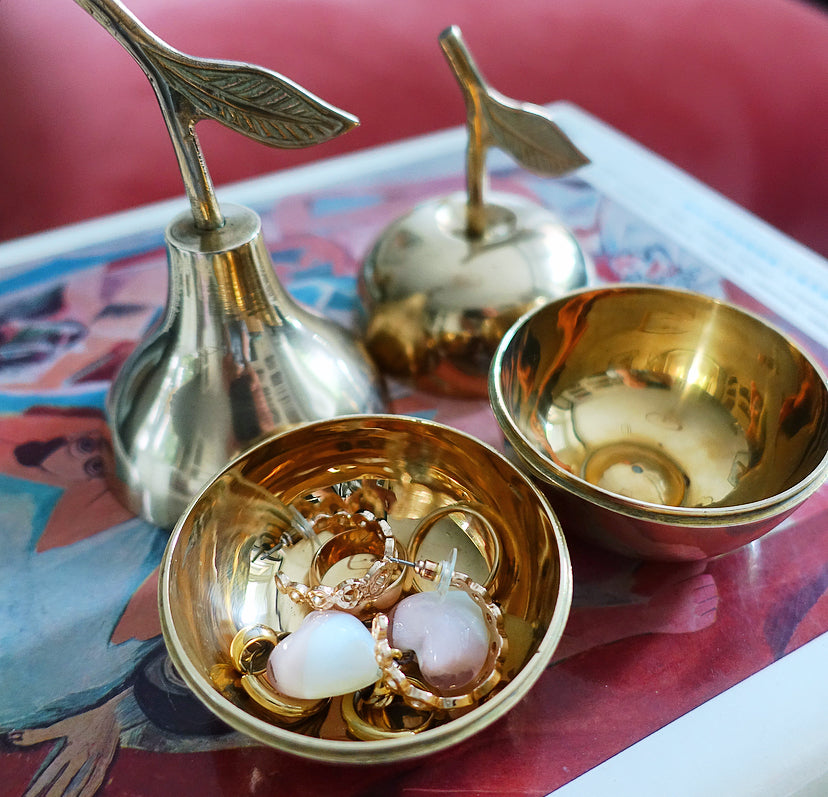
(680, 426)
(234, 359)
(442, 284)
(437, 302)
(371, 718)
(217, 575)
(249, 652)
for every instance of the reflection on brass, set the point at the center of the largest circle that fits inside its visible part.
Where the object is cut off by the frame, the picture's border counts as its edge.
(216, 577)
(234, 357)
(443, 283)
(382, 715)
(226, 678)
(681, 426)
(242, 502)
(642, 472)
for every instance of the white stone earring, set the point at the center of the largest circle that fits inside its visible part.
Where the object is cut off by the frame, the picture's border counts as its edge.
(330, 654)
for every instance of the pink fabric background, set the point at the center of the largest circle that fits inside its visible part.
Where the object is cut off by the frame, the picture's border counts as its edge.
(733, 91)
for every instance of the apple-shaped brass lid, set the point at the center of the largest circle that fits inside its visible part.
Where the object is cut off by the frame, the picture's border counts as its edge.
(442, 284)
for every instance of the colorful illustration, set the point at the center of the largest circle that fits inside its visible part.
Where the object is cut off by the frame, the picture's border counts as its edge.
(90, 702)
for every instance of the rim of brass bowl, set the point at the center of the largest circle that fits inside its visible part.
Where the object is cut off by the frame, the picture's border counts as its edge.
(386, 446)
(569, 316)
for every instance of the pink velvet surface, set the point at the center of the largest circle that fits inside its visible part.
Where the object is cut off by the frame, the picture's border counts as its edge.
(733, 91)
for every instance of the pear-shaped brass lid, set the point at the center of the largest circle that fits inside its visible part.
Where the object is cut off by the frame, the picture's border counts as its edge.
(234, 356)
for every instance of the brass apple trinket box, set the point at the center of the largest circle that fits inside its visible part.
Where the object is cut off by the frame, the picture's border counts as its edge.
(442, 284)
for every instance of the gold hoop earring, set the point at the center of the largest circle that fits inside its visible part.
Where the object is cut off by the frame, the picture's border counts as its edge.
(486, 540)
(369, 535)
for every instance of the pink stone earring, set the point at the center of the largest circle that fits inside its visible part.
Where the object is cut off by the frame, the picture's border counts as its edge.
(455, 633)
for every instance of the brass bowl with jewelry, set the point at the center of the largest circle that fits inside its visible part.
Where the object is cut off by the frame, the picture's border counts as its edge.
(668, 425)
(365, 589)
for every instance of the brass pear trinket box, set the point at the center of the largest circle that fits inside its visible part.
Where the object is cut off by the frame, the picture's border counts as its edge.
(352, 586)
(442, 284)
(234, 357)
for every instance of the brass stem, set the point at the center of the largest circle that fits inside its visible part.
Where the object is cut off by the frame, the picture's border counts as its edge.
(474, 88)
(140, 43)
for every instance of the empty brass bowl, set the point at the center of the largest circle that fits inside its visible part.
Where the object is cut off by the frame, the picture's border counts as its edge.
(217, 575)
(670, 425)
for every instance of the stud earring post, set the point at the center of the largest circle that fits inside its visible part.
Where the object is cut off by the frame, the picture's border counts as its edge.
(443, 572)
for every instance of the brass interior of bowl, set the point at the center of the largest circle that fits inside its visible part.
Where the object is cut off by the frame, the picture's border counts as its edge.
(218, 573)
(650, 396)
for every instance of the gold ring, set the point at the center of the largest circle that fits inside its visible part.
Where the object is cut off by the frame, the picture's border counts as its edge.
(485, 539)
(250, 649)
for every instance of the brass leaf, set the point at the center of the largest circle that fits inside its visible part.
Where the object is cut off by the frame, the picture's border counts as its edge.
(253, 101)
(530, 136)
